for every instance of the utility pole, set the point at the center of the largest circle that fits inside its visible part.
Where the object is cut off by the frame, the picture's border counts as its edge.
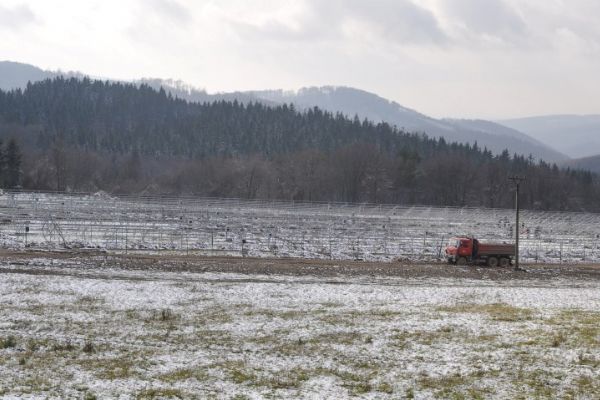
(517, 181)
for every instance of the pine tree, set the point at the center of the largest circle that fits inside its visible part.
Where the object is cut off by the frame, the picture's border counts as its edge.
(2, 165)
(13, 165)
(59, 163)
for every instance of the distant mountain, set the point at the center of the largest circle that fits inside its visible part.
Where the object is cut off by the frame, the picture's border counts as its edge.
(351, 102)
(587, 163)
(575, 135)
(190, 93)
(15, 75)
(499, 135)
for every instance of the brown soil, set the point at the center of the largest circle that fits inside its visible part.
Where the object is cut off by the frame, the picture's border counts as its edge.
(29, 262)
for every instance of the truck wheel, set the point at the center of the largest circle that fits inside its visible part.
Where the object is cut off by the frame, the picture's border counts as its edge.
(504, 262)
(493, 262)
(461, 261)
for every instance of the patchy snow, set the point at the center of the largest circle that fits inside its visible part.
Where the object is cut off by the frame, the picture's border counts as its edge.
(160, 334)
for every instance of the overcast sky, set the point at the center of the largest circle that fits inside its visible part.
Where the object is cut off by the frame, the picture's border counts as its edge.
(445, 58)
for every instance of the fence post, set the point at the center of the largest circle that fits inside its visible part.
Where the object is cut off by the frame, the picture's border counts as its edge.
(303, 245)
(561, 250)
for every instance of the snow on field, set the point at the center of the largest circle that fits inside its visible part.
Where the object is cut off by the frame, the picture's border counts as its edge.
(283, 229)
(110, 333)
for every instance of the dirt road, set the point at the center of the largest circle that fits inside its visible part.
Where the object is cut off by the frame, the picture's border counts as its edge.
(29, 260)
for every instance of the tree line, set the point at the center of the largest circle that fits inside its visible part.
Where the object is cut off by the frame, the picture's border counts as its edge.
(88, 135)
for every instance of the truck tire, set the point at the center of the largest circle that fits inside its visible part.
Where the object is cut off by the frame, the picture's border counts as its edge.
(492, 262)
(461, 261)
(504, 262)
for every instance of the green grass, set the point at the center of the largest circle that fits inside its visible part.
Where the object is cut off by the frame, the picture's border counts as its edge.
(161, 393)
(90, 396)
(8, 342)
(496, 311)
(536, 383)
(35, 382)
(274, 314)
(122, 367)
(457, 386)
(339, 338)
(443, 381)
(583, 386)
(286, 379)
(404, 339)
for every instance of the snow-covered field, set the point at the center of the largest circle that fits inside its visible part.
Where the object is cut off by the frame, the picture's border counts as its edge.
(69, 330)
(282, 229)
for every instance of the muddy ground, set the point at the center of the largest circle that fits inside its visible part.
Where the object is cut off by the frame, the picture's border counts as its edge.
(27, 261)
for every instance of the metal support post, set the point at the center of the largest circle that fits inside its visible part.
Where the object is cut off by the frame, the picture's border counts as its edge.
(517, 181)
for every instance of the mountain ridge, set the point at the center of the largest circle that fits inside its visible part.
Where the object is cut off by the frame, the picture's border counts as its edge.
(591, 163)
(346, 100)
(577, 136)
(352, 101)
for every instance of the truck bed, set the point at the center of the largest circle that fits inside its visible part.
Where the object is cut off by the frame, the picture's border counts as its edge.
(496, 249)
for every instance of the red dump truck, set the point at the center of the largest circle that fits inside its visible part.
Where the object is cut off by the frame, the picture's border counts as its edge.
(468, 250)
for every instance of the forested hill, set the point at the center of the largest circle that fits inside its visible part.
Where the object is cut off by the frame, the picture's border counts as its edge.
(90, 135)
(123, 118)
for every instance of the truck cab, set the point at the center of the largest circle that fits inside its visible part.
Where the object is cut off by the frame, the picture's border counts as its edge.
(460, 250)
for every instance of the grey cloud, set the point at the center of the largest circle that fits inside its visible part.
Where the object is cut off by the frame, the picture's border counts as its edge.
(17, 17)
(170, 9)
(579, 18)
(490, 17)
(312, 25)
(399, 21)
(274, 30)
(158, 21)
